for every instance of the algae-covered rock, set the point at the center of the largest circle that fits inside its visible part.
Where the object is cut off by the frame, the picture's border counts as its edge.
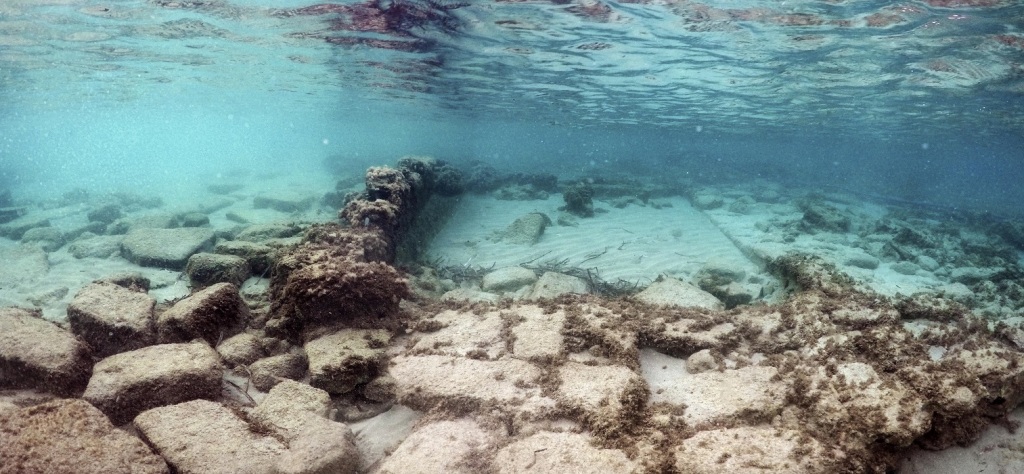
(35, 353)
(260, 257)
(205, 436)
(70, 436)
(339, 362)
(819, 216)
(579, 199)
(112, 318)
(205, 269)
(205, 314)
(126, 384)
(270, 371)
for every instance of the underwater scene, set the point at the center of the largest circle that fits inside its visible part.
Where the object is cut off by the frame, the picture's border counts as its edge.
(504, 236)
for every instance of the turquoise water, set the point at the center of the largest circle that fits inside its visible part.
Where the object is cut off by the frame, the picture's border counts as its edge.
(920, 100)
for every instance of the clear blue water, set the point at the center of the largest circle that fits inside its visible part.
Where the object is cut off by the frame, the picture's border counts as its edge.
(914, 100)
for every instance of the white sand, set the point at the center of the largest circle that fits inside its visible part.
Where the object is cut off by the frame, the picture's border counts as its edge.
(639, 243)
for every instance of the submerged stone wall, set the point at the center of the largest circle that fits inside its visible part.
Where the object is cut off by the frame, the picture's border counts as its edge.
(833, 379)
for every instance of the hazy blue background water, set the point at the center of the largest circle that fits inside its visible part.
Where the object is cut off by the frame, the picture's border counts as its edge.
(911, 100)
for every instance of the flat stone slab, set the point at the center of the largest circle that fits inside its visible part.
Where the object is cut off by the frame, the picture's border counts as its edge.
(538, 334)
(424, 381)
(287, 401)
(112, 318)
(126, 384)
(508, 279)
(559, 453)
(259, 257)
(262, 232)
(201, 436)
(463, 333)
(669, 291)
(299, 413)
(35, 353)
(472, 295)
(442, 446)
(720, 397)
(608, 395)
(241, 349)
(97, 246)
(753, 449)
(70, 436)
(165, 248)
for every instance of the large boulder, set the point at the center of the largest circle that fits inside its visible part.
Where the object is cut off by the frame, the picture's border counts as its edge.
(241, 349)
(49, 238)
(126, 384)
(339, 362)
(35, 353)
(205, 269)
(166, 248)
(527, 229)
(819, 216)
(112, 318)
(73, 437)
(333, 282)
(206, 314)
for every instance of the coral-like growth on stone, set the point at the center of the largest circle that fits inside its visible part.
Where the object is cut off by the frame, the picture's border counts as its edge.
(324, 284)
(579, 199)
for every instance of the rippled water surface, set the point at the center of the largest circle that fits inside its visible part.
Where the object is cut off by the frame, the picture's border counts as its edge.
(917, 99)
